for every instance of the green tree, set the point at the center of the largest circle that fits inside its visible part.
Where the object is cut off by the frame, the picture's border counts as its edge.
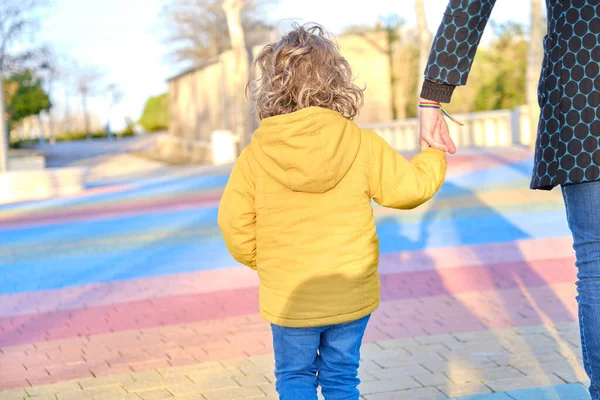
(155, 116)
(504, 85)
(18, 18)
(27, 97)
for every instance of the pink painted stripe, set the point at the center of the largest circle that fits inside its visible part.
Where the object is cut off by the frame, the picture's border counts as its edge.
(468, 163)
(114, 210)
(206, 306)
(240, 277)
(461, 256)
(102, 294)
(211, 340)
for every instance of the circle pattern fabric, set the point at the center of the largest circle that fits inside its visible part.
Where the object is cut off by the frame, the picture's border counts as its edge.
(567, 149)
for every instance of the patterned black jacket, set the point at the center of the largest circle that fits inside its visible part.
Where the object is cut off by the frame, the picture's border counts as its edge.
(567, 148)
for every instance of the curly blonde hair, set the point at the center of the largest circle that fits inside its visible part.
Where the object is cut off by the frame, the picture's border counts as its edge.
(303, 69)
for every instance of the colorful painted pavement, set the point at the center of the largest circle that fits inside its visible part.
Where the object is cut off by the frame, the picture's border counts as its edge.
(128, 292)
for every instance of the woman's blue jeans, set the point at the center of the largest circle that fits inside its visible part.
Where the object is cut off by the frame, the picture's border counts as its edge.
(582, 202)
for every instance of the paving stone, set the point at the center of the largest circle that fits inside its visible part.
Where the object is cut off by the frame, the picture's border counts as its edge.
(534, 330)
(436, 339)
(491, 346)
(526, 382)
(146, 375)
(463, 389)
(92, 393)
(207, 375)
(205, 386)
(483, 374)
(412, 394)
(184, 370)
(100, 381)
(430, 379)
(421, 359)
(399, 383)
(147, 384)
(17, 394)
(397, 343)
(125, 396)
(368, 365)
(238, 362)
(46, 397)
(486, 336)
(576, 375)
(459, 363)
(489, 396)
(525, 358)
(197, 396)
(569, 368)
(559, 392)
(157, 394)
(365, 376)
(236, 394)
(268, 389)
(378, 353)
(391, 373)
(43, 390)
(440, 349)
(250, 380)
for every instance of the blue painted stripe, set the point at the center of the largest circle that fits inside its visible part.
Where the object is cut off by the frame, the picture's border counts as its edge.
(573, 391)
(147, 261)
(204, 252)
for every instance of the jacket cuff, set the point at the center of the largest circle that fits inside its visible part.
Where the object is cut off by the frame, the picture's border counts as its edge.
(437, 91)
(435, 152)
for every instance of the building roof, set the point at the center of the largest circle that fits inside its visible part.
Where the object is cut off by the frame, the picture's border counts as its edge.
(197, 67)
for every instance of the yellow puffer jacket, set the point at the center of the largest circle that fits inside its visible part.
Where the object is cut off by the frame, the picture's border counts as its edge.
(297, 208)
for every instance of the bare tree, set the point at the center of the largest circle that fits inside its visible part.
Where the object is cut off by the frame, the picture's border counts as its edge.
(233, 9)
(87, 81)
(115, 95)
(198, 31)
(17, 18)
(424, 39)
(534, 60)
(52, 76)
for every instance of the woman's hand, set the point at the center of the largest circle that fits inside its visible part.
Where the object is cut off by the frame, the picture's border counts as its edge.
(434, 130)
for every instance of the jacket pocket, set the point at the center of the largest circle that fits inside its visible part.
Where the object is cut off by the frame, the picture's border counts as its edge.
(541, 89)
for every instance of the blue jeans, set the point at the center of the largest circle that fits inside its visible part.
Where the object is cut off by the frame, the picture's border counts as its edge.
(582, 202)
(306, 358)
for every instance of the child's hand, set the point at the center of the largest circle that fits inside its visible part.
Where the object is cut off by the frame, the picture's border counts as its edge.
(434, 131)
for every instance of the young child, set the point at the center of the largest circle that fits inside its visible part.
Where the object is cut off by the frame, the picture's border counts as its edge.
(297, 208)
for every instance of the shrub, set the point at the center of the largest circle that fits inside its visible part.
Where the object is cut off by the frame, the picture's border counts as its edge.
(155, 116)
(72, 136)
(23, 143)
(128, 131)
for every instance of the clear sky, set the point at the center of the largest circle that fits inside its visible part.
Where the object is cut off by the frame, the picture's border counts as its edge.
(123, 38)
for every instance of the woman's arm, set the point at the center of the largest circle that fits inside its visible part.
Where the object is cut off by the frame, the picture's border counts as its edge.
(454, 47)
(450, 61)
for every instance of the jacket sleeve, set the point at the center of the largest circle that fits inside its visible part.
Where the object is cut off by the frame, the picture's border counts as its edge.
(454, 47)
(397, 183)
(237, 214)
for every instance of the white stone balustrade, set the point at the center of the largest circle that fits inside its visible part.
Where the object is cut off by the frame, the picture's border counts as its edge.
(499, 128)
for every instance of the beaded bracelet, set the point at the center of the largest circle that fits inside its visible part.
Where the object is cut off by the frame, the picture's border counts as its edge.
(433, 104)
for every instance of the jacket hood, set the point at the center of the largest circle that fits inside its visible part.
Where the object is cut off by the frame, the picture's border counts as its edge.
(309, 150)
